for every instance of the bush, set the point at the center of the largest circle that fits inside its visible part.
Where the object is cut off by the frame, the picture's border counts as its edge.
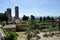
(36, 31)
(11, 35)
(32, 22)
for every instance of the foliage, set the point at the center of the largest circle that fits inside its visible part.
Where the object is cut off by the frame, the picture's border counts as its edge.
(40, 19)
(11, 35)
(31, 33)
(50, 29)
(36, 31)
(25, 17)
(55, 28)
(3, 17)
(44, 18)
(32, 22)
(48, 17)
(53, 25)
(52, 18)
(35, 26)
(32, 17)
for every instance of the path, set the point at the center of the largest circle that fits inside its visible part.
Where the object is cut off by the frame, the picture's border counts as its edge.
(21, 36)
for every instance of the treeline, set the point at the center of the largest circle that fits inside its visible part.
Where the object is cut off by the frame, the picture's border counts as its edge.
(43, 19)
(27, 17)
(32, 17)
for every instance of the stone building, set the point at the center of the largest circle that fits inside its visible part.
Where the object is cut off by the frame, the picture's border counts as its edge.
(8, 13)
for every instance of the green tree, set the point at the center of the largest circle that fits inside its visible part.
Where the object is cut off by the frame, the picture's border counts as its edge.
(40, 19)
(52, 18)
(25, 17)
(29, 34)
(44, 18)
(3, 17)
(32, 17)
(48, 18)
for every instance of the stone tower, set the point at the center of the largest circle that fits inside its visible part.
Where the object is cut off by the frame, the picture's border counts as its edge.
(8, 13)
(16, 12)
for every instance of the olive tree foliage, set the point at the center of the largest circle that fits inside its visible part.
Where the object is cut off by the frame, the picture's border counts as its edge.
(31, 33)
(33, 30)
(50, 29)
(32, 22)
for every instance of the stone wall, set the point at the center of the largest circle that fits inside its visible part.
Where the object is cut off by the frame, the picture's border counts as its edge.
(21, 27)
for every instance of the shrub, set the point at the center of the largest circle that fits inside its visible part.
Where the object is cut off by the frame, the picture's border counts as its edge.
(36, 31)
(11, 35)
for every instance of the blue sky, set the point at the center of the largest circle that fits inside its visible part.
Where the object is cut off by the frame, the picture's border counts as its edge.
(32, 7)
